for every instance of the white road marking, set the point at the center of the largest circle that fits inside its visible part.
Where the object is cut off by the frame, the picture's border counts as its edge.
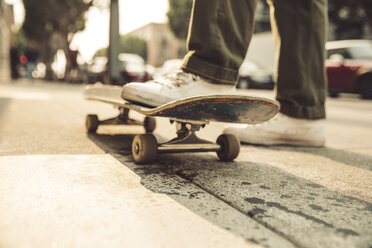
(94, 201)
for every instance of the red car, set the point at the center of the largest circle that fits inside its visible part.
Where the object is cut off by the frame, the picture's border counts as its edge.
(349, 67)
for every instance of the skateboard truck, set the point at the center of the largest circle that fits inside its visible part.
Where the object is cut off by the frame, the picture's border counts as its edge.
(187, 141)
(92, 122)
(145, 147)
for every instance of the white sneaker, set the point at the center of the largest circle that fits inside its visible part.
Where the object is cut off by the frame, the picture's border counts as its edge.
(172, 87)
(281, 130)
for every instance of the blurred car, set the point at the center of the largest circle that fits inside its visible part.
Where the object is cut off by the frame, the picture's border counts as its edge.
(349, 67)
(133, 68)
(97, 69)
(251, 75)
(168, 66)
(40, 70)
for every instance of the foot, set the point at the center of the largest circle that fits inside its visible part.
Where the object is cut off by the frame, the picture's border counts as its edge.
(281, 130)
(173, 87)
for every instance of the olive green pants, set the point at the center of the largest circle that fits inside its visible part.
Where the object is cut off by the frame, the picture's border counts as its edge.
(219, 36)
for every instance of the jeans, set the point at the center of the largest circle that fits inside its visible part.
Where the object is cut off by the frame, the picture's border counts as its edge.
(219, 36)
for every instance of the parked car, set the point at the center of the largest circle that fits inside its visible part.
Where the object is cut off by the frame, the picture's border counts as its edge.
(168, 66)
(349, 67)
(133, 68)
(97, 70)
(251, 75)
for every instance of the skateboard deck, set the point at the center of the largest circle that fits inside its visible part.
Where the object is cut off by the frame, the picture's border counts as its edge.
(189, 114)
(215, 108)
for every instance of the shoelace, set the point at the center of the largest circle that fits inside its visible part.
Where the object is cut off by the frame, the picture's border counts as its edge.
(177, 79)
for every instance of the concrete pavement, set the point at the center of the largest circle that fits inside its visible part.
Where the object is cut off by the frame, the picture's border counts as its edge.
(93, 201)
(62, 188)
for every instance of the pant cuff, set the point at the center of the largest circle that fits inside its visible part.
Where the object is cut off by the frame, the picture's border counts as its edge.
(214, 73)
(300, 112)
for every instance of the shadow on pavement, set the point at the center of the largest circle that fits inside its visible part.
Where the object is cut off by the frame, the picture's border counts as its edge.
(118, 143)
(258, 202)
(165, 176)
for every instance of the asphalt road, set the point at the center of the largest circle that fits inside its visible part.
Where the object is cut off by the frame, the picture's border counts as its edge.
(60, 187)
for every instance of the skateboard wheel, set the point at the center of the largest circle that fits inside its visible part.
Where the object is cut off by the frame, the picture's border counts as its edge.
(149, 124)
(91, 123)
(144, 148)
(230, 147)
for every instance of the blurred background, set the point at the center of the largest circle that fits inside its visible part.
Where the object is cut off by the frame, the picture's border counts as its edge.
(118, 41)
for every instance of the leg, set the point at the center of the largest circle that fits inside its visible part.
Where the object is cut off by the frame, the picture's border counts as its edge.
(218, 39)
(219, 35)
(300, 31)
(30, 69)
(299, 28)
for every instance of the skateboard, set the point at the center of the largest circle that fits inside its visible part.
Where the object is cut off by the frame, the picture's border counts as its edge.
(189, 115)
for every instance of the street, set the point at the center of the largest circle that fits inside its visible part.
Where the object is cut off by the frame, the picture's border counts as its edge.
(62, 187)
